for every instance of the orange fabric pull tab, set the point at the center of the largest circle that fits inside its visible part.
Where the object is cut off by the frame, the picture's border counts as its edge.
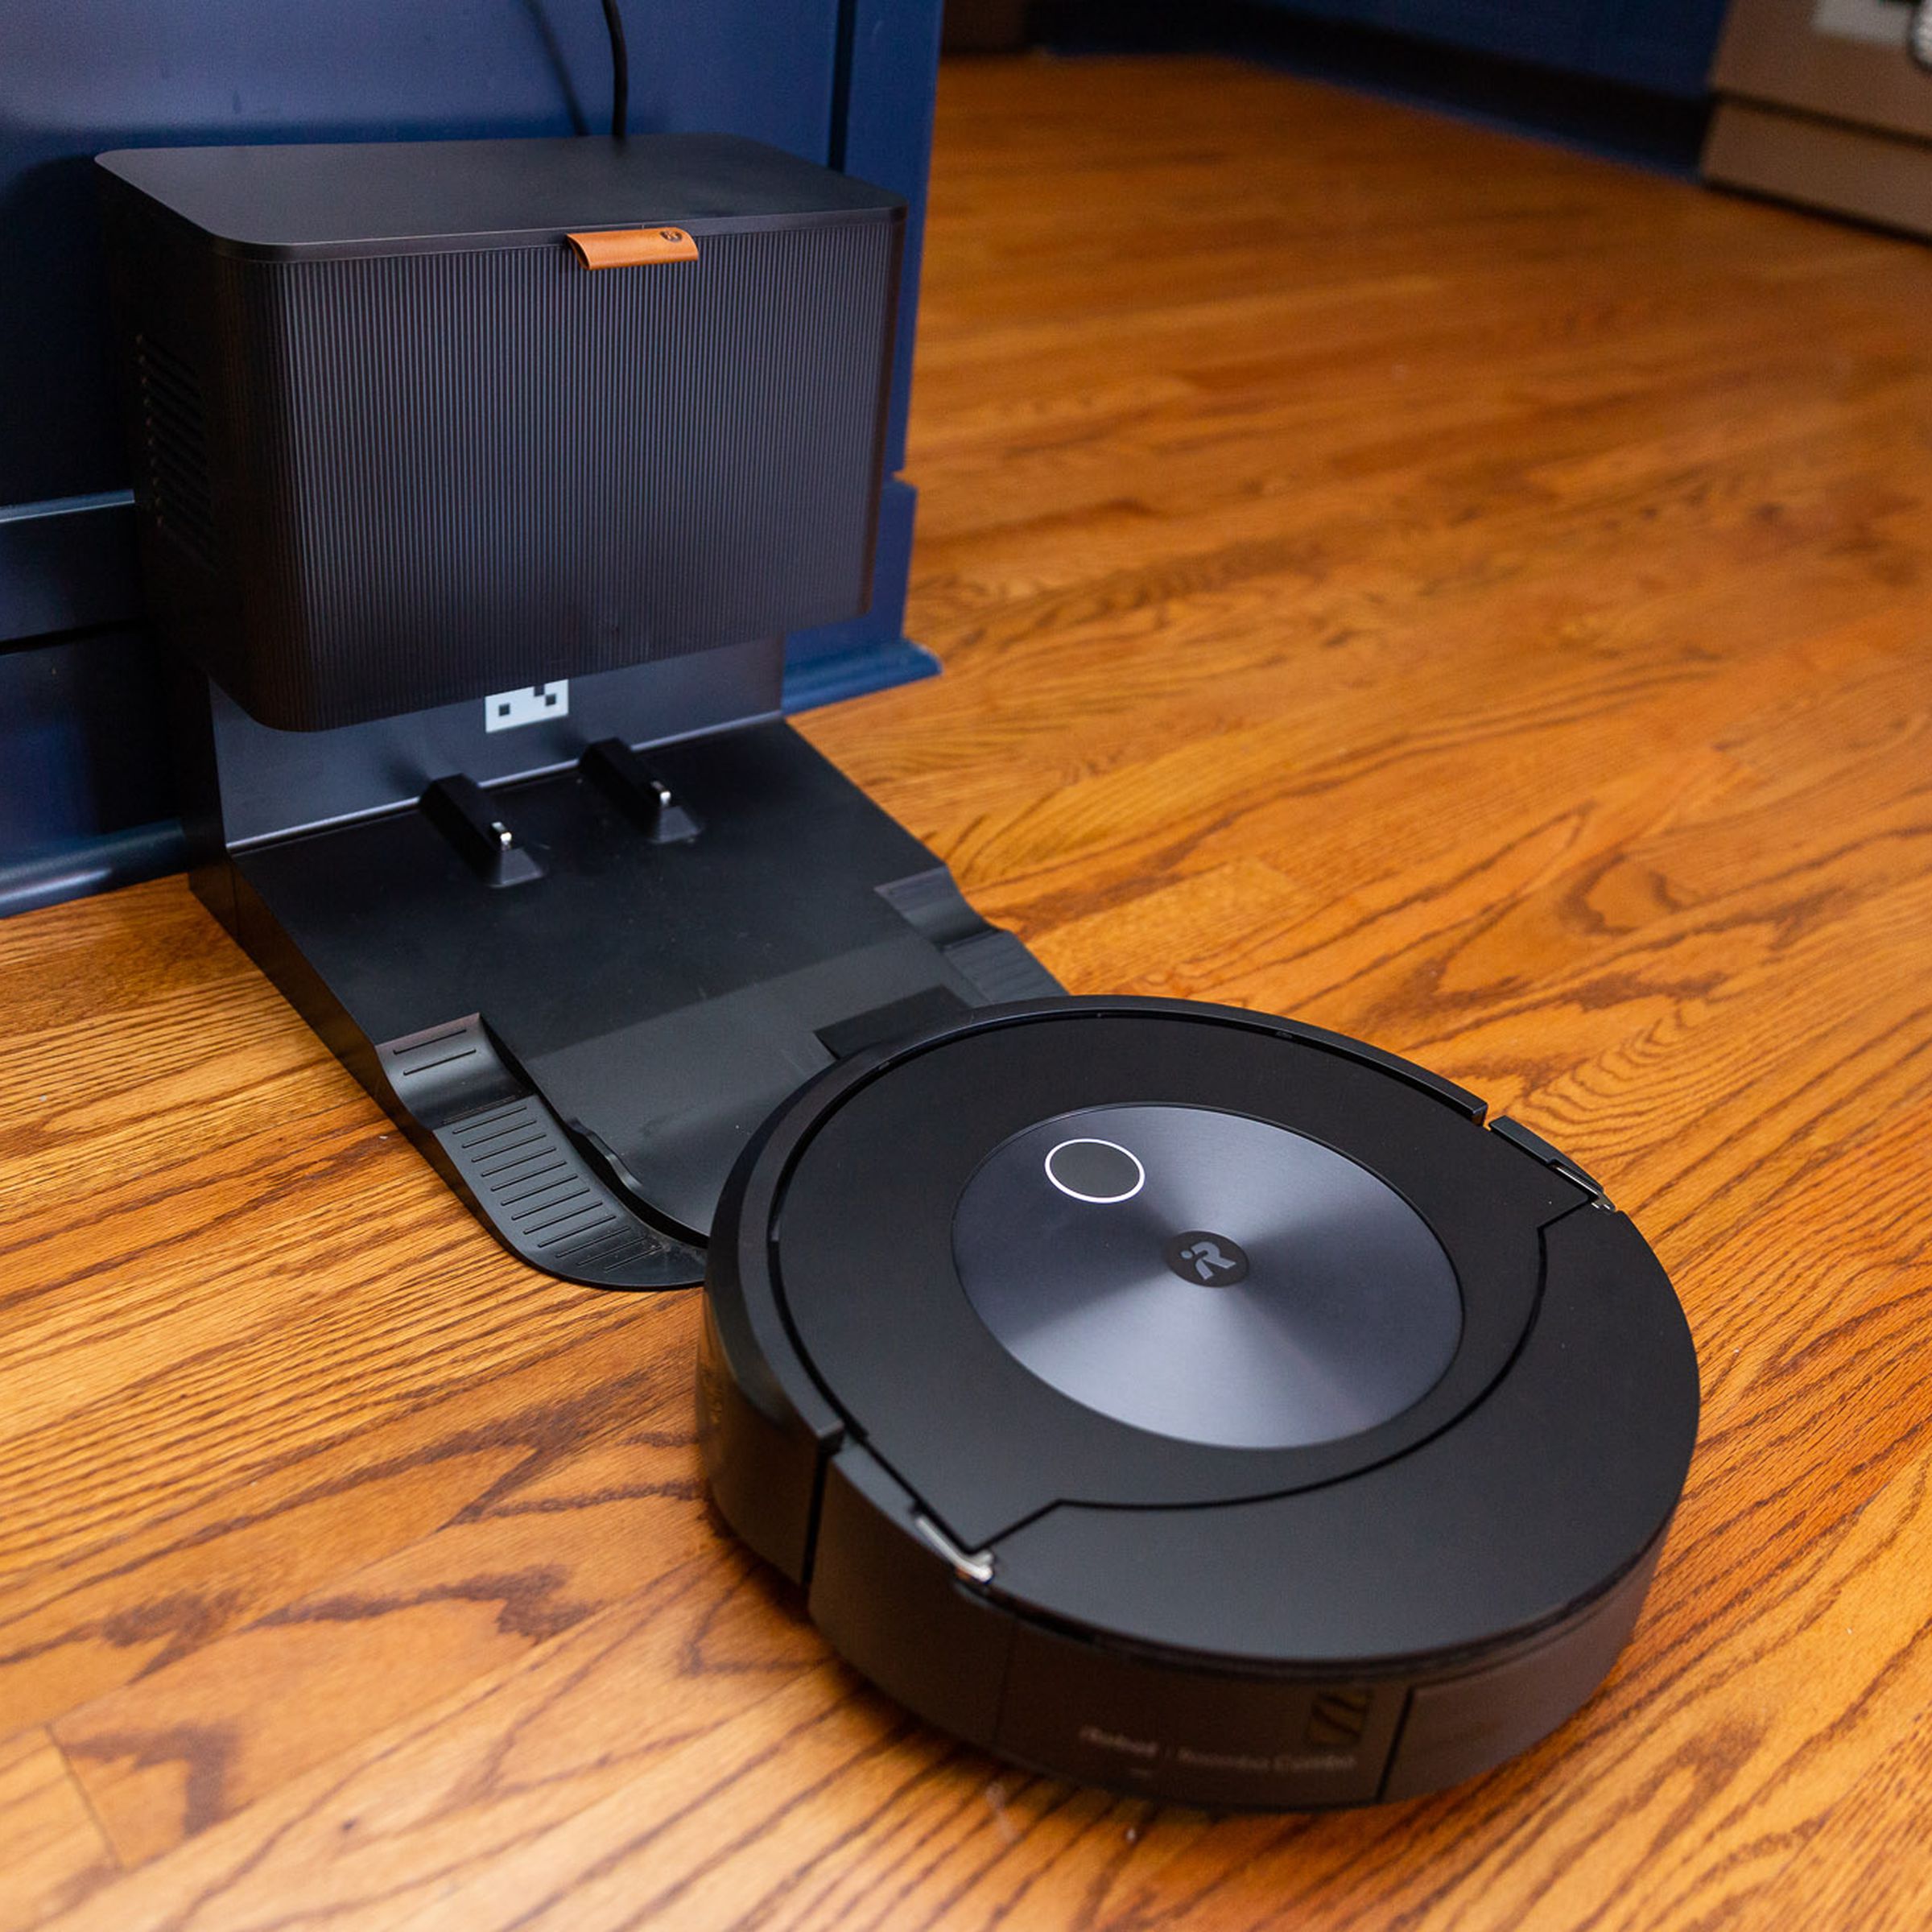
(627, 247)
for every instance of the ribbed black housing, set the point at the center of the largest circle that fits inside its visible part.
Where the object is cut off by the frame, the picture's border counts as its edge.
(380, 474)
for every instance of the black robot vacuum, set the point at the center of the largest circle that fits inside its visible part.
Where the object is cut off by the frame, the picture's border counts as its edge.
(1192, 1403)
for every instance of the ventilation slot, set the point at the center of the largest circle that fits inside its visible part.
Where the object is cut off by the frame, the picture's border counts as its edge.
(174, 441)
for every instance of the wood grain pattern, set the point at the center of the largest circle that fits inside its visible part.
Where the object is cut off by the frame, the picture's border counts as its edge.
(1457, 592)
(53, 1848)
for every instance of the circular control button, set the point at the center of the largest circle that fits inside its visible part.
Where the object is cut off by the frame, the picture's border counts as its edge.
(1098, 1172)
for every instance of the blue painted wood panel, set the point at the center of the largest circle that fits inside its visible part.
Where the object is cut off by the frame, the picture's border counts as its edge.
(86, 794)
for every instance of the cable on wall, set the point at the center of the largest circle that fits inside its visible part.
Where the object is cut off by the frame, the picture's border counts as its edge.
(619, 72)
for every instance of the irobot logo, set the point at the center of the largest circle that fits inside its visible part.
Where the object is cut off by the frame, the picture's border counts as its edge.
(1213, 1259)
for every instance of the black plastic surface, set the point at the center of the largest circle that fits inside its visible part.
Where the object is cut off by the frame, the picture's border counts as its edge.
(879, 1590)
(661, 996)
(303, 199)
(1202, 1735)
(1540, 1496)
(498, 1145)
(1480, 1717)
(1551, 1157)
(868, 1283)
(763, 1457)
(658, 812)
(255, 785)
(477, 828)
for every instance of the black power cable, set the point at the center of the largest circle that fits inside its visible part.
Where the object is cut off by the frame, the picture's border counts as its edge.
(619, 72)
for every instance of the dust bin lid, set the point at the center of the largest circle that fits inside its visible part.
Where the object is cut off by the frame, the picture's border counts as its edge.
(304, 199)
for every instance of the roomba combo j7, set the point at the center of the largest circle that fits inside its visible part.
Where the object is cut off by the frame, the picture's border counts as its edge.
(1196, 1404)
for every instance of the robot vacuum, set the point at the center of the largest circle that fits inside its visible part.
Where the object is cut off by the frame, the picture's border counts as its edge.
(1191, 1403)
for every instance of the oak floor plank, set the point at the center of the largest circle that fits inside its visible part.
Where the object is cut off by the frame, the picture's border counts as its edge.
(53, 1850)
(1462, 593)
(196, 1560)
(535, 1553)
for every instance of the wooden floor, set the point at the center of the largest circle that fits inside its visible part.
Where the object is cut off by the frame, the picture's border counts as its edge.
(1443, 587)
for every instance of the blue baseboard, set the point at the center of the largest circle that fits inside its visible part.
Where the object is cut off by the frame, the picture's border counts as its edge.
(826, 680)
(89, 865)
